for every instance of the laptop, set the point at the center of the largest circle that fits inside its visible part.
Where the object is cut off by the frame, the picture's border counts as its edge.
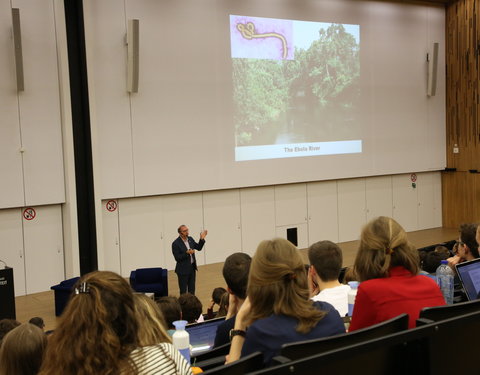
(469, 274)
(202, 335)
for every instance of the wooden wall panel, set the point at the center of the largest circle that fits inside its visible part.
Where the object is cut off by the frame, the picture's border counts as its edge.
(461, 195)
(461, 189)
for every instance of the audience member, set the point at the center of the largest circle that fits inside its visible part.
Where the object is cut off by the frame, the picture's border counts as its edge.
(443, 251)
(223, 305)
(350, 275)
(22, 350)
(422, 254)
(6, 325)
(467, 246)
(325, 264)
(191, 308)
(216, 297)
(278, 309)
(152, 329)
(477, 237)
(98, 334)
(387, 266)
(235, 272)
(38, 322)
(432, 261)
(171, 310)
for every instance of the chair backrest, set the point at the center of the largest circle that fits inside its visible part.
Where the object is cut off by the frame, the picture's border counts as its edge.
(212, 358)
(416, 351)
(341, 275)
(148, 275)
(66, 285)
(438, 313)
(249, 363)
(303, 349)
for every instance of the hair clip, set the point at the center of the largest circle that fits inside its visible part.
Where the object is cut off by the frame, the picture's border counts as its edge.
(388, 251)
(83, 288)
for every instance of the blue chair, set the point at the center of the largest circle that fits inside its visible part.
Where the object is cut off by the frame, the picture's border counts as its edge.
(150, 280)
(62, 294)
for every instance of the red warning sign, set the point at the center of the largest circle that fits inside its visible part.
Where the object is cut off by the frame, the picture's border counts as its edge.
(29, 213)
(413, 177)
(111, 205)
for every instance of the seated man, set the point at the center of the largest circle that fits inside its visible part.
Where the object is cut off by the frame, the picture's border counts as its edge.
(191, 308)
(467, 246)
(171, 310)
(431, 262)
(325, 264)
(235, 272)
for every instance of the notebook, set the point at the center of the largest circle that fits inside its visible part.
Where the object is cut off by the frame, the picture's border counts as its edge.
(469, 274)
(202, 335)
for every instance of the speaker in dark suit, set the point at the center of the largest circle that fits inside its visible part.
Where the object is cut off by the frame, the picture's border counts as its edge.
(183, 249)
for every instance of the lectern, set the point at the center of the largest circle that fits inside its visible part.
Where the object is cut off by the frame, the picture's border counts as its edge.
(7, 294)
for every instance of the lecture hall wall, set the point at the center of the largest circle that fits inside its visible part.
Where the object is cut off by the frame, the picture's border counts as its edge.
(135, 229)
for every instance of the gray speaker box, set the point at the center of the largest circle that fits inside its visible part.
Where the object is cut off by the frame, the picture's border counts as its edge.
(133, 54)
(432, 60)
(17, 45)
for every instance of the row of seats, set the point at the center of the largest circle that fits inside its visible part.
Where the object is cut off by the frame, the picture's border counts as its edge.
(387, 347)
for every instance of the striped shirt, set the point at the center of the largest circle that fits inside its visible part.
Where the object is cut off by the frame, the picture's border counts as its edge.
(160, 359)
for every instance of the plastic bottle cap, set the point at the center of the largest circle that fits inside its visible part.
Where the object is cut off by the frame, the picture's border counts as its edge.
(180, 324)
(353, 284)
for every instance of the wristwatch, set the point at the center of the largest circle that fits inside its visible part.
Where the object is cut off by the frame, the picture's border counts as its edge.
(236, 332)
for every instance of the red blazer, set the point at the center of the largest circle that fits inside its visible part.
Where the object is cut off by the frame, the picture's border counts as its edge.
(385, 298)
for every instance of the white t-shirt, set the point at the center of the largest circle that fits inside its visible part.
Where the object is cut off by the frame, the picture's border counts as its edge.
(337, 297)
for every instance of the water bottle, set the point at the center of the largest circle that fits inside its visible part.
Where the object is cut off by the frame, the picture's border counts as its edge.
(181, 339)
(445, 277)
(352, 293)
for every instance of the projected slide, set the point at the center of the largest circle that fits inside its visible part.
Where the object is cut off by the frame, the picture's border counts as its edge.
(295, 87)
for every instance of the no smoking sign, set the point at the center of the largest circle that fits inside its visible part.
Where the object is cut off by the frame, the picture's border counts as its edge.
(111, 205)
(29, 213)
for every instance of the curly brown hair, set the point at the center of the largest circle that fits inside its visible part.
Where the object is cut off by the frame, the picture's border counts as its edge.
(97, 330)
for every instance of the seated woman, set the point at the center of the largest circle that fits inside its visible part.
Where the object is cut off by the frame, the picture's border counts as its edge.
(216, 298)
(387, 266)
(22, 350)
(98, 333)
(466, 248)
(278, 309)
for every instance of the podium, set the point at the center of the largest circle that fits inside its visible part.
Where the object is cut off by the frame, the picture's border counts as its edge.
(7, 294)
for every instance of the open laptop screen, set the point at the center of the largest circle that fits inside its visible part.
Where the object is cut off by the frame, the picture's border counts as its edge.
(469, 274)
(202, 335)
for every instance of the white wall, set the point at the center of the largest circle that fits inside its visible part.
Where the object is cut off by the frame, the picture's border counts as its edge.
(33, 248)
(35, 125)
(333, 210)
(30, 131)
(177, 133)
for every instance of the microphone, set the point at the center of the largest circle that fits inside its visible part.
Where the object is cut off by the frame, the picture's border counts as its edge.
(4, 263)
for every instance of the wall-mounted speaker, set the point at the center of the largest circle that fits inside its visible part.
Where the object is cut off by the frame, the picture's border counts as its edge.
(432, 60)
(133, 52)
(17, 45)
